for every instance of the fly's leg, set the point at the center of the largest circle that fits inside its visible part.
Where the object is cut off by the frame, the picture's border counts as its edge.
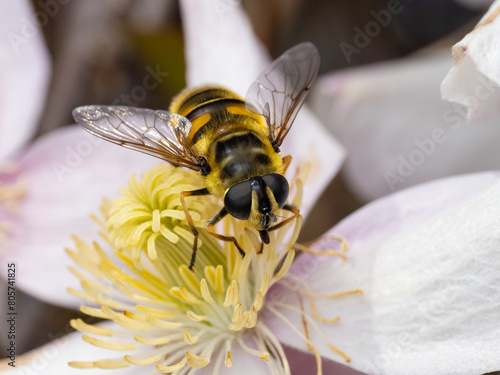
(222, 213)
(288, 207)
(264, 234)
(189, 220)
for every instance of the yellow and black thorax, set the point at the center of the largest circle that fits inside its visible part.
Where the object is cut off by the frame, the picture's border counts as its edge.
(233, 139)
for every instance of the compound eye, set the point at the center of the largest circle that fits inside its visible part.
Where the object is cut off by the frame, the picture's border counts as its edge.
(279, 186)
(238, 200)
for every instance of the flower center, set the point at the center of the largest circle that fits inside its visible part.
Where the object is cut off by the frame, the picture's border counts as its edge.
(164, 314)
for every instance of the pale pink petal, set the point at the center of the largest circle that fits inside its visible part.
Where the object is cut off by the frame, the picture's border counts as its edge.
(24, 74)
(474, 77)
(53, 358)
(427, 261)
(68, 173)
(220, 45)
(397, 130)
(222, 48)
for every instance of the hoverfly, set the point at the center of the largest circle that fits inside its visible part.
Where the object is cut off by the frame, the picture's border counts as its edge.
(234, 143)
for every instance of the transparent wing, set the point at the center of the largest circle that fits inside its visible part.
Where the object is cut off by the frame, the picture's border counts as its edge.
(158, 133)
(279, 92)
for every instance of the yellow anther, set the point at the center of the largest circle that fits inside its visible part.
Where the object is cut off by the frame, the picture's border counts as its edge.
(237, 313)
(205, 292)
(195, 317)
(196, 361)
(232, 294)
(153, 342)
(264, 356)
(141, 361)
(241, 323)
(81, 326)
(170, 369)
(265, 284)
(228, 362)
(188, 338)
(81, 364)
(113, 345)
(111, 364)
(219, 279)
(163, 323)
(259, 301)
(252, 318)
(183, 294)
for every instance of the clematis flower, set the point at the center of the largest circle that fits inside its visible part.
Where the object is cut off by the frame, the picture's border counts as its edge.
(425, 258)
(473, 79)
(166, 316)
(307, 143)
(396, 128)
(69, 165)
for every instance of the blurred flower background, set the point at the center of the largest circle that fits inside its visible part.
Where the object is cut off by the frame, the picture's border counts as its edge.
(378, 91)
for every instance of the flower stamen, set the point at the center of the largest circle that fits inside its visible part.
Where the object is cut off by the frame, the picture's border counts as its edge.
(153, 342)
(309, 344)
(141, 361)
(228, 361)
(196, 361)
(170, 369)
(262, 355)
(113, 345)
(80, 325)
(146, 286)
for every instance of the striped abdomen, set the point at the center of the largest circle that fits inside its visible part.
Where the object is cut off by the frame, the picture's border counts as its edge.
(233, 140)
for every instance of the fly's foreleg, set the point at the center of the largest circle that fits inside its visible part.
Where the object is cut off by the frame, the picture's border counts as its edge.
(264, 234)
(222, 213)
(288, 207)
(189, 220)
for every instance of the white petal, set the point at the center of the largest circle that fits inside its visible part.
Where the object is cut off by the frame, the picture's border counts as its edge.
(53, 358)
(221, 47)
(397, 130)
(427, 261)
(69, 172)
(474, 77)
(24, 73)
(309, 142)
